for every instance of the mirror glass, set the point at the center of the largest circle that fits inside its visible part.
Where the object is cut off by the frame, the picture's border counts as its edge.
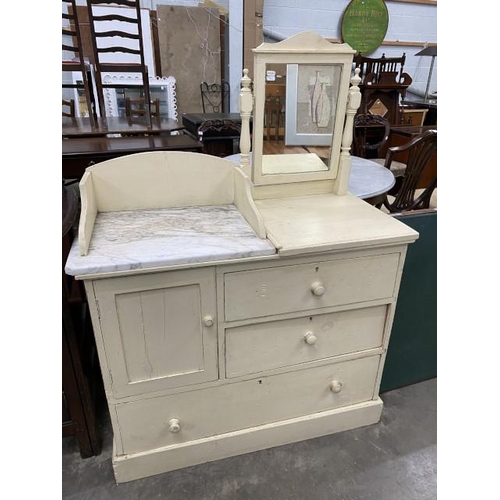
(299, 115)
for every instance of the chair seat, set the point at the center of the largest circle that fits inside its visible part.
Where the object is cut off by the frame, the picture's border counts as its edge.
(397, 168)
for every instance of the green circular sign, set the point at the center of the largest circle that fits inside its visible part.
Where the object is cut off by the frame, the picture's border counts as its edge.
(364, 25)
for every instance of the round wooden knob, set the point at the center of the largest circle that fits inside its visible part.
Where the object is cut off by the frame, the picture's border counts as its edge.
(335, 386)
(208, 321)
(317, 289)
(310, 338)
(174, 426)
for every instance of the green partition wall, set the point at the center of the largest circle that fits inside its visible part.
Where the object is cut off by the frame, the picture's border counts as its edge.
(412, 352)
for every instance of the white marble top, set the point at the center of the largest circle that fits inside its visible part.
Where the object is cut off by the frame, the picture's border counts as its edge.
(141, 239)
(369, 178)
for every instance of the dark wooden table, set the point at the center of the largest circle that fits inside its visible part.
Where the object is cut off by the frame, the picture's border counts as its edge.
(77, 153)
(81, 126)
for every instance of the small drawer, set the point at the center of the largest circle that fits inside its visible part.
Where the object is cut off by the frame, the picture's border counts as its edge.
(302, 287)
(276, 344)
(169, 420)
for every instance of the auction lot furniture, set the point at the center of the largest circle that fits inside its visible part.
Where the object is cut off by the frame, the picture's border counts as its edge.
(235, 313)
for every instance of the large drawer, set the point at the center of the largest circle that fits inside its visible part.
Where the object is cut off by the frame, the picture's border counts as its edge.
(284, 289)
(275, 344)
(178, 418)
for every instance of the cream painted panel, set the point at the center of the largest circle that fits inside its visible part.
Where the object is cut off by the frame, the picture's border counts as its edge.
(162, 179)
(276, 344)
(285, 289)
(170, 420)
(159, 330)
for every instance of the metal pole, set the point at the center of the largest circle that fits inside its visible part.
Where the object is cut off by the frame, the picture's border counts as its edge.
(429, 78)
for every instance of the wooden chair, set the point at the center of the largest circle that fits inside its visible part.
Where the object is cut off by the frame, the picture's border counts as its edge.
(137, 107)
(70, 106)
(125, 38)
(215, 97)
(420, 150)
(371, 133)
(370, 137)
(77, 63)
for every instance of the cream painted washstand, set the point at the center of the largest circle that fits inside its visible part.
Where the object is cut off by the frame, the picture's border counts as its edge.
(232, 315)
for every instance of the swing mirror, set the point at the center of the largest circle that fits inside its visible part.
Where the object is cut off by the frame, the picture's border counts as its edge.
(300, 86)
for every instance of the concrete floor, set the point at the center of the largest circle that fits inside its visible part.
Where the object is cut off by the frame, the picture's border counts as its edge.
(392, 460)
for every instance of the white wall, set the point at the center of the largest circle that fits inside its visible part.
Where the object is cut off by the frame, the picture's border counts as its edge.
(407, 22)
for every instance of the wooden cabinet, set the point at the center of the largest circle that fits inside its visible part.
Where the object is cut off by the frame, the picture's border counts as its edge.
(224, 324)
(203, 363)
(159, 329)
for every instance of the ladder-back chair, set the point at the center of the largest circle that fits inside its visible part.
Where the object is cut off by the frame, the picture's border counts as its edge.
(125, 37)
(77, 63)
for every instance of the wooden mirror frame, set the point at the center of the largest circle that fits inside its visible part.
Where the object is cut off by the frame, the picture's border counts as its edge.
(304, 48)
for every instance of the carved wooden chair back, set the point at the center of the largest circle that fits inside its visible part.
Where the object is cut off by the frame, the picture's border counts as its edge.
(68, 108)
(215, 97)
(377, 66)
(125, 38)
(73, 60)
(420, 151)
(371, 133)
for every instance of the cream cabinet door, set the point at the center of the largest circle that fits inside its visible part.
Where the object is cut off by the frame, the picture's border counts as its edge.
(159, 330)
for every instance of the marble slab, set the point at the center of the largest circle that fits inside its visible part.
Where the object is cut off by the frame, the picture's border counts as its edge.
(141, 239)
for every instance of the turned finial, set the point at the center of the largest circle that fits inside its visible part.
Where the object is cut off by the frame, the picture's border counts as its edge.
(245, 79)
(356, 79)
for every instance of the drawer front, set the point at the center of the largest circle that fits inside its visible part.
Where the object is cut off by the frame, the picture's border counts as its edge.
(284, 289)
(178, 418)
(276, 344)
(159, 330)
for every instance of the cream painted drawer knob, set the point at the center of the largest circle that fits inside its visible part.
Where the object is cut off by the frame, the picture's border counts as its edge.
(317, 289)
(335, 386)
(310, 338)
(174, 426)
(208, 321)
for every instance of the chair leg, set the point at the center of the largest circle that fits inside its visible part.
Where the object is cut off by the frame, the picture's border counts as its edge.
(147, 96)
